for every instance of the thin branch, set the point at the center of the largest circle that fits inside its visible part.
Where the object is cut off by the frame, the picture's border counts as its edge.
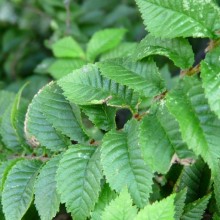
(68, 16)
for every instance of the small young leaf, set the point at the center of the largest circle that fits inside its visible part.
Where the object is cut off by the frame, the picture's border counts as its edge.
(195, 210)
(160, 139)
(106, 196)
(123, 164)
(162, 210)
(67, 47)
(199, 126)
(86, 86)
(103, 41)
(78, 179)
(18, 191)
(62, 67)
(143, 77)
(47, 200)
(182, 18)
(120, 208)
(210, 72)
(102, 116)
(178, 50)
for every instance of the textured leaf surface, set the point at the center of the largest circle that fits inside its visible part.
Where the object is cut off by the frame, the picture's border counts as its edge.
(103, 41)
(217, 190)
(8, 133)
(125, 49)
(160, 139)
(179, 203)
(210, 72)
(178, 50)
(60, 113)
(18, 191)
(143, 77)
(182, 18)
(102, 116)
(61, 67)
(120, 208)
(195, 178)
(13, 122)
(195, 210)
(86, 86)
(106, 196)
(67, 47)
(80, 168)
(38, 130)
(200, 128)
(162, 210)
(123, 164)
(47, 200)
(4, 169)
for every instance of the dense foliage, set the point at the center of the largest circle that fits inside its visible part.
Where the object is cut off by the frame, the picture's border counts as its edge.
(95, 125)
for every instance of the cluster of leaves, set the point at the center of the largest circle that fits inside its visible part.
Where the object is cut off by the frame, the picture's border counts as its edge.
(63, 146)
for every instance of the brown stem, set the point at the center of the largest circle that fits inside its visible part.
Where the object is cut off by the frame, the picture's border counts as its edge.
(68, 16)
(191, 71)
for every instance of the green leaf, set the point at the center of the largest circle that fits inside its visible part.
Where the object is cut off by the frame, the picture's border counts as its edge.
(160, 139)
(61, 67)
(143, 77)
(125, 49)
(42, 67)
(1, 213)
(18, 111)
(217, 189)
(216, 216)
(178, 50)
(86, 86)
(196, 178)
(162, 210)
(47, 200)
(59, 112)
(67, 47)
(13, 122)
(102, 116)
(195, 210)
(106, 196)
(39, 131)
(6, 98)
(120, 208)
(179, 203)
(18, 191)
(182, 18)
(104, 40)
(8, 133)
(210, 72)
(200, 128)
(123, 164)
(4, 169)
(80, 168)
